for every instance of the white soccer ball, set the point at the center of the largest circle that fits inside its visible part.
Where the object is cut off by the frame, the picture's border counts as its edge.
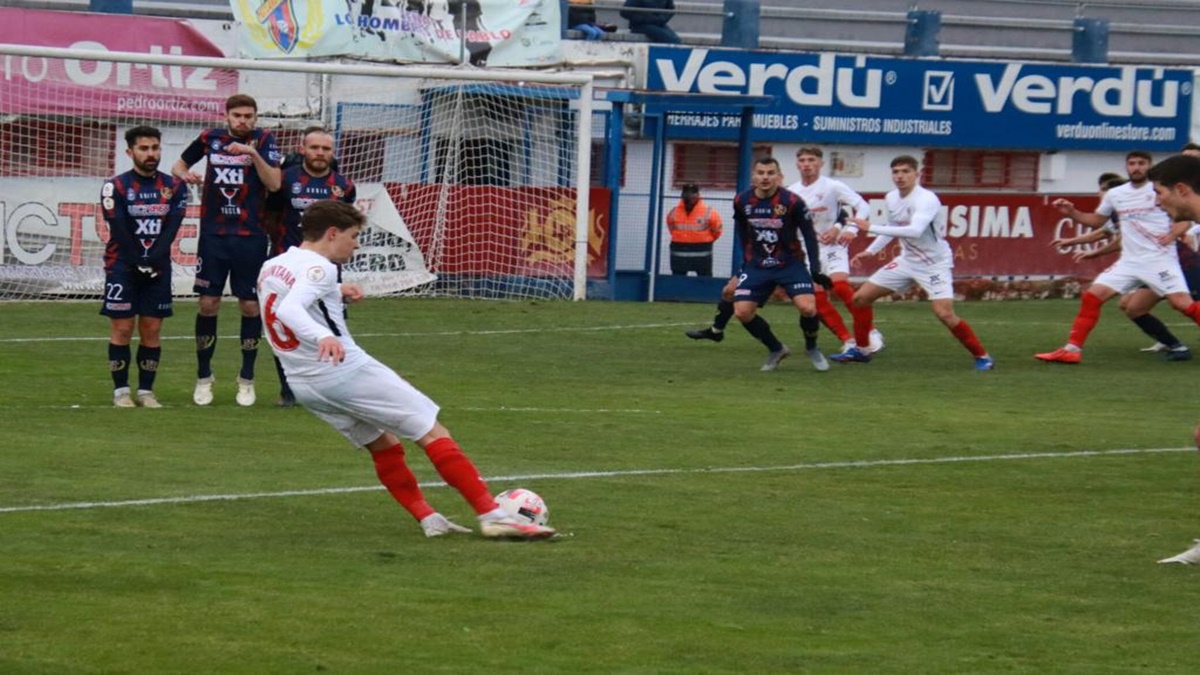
(524, 505)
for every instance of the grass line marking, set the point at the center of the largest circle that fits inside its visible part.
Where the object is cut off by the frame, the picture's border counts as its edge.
(859, 464)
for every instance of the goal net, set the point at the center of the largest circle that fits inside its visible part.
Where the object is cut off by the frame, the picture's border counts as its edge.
(474, 181)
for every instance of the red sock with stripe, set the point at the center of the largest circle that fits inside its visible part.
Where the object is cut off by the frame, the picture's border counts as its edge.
(399, 480)
(460, 473)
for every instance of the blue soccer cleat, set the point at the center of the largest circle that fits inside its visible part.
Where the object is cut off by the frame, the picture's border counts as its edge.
(985, 363)
(852, 355)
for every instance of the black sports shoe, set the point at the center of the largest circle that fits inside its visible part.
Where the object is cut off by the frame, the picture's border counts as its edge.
(706, 334)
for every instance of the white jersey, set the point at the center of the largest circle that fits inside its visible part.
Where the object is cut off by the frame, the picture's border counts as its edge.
(824, 199)
(918, 221)
(302, 304)
(1141, 222)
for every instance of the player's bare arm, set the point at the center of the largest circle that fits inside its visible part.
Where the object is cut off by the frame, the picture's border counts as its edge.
(1177, 230)
(271, 176)
(180, 170)
(1067, 208)
(1112, 246)
(1094, 235)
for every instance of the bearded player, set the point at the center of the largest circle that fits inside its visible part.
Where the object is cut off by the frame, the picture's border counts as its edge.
(243, 166)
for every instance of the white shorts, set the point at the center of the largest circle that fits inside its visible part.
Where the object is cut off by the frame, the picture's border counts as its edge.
(1162, 276)
(835, 259)
(899, 275)
(367, 401)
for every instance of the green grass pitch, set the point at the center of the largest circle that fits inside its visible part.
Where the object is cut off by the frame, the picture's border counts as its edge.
(906, 516)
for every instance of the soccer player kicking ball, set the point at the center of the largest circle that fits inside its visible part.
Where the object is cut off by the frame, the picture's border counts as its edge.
(914, 216)
(366, 401)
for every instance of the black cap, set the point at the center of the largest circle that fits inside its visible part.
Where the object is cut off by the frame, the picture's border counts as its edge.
(690, 188)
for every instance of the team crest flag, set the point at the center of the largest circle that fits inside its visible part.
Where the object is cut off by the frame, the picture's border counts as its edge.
(504, 33)
(280, 19)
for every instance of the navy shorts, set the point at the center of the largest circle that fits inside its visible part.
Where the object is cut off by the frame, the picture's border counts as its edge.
(756, 284)
(129, 293)
(238, 259)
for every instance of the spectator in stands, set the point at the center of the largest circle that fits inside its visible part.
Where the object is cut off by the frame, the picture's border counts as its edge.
(581, 16)
(653, 24)
(694, 226)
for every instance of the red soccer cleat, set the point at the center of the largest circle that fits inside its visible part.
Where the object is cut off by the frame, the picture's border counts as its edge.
(1060, 355)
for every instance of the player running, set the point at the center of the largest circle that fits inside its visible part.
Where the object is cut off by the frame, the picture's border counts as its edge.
(915, 217)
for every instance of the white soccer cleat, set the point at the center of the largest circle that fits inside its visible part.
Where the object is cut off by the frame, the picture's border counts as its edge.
(774, 359)
(122, 399)
(147, 399)
(245, 395)
(435, 525)
(1154, 348)
(818, 359)
(876, 344)
(1188, 557)
(511, 528)
(202, 394)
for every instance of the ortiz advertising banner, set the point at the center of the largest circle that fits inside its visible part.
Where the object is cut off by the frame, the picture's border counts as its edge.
(1003, 235)
(504, 33)
(37, 85)
(54, 235)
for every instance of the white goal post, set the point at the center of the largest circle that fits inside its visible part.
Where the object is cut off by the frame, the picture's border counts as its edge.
(475, 181)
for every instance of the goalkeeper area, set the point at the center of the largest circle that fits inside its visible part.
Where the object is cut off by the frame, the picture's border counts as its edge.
(905, 516)
(475, 183)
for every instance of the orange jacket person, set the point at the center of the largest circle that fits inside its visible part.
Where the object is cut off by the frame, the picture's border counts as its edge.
(694, 226)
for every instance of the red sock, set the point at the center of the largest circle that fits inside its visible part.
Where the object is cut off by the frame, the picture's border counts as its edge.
(830, 317)
(844, 292)
(967, 337)
(400, 481)
(459, 473)
(1085, 321)
(864, 319)
(1193, 311)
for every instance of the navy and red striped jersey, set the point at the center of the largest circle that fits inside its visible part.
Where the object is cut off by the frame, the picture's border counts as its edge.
(296, 193)
(234, 196)
(143, 214)
(776, 230)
